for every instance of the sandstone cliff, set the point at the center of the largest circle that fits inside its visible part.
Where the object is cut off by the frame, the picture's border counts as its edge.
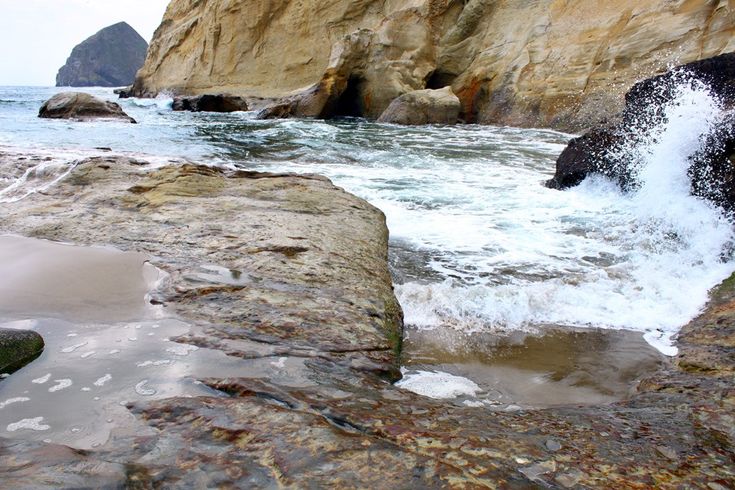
(110, 58)
(558, 63)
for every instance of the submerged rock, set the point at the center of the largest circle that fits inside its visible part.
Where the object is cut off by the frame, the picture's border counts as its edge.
(602, 150)
(423, 107)
(81, 106)
(110, 58)
(18, 348)
(209, 103)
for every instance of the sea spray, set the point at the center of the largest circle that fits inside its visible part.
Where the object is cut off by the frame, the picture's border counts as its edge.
(658, 248)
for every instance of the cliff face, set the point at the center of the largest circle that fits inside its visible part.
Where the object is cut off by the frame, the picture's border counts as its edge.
(110, 58)
(558, 63)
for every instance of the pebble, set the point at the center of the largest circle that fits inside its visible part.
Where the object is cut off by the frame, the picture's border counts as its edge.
(570, 478)
(552, 445)
(667, 452)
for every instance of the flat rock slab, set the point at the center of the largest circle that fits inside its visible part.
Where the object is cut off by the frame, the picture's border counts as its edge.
(287, 268)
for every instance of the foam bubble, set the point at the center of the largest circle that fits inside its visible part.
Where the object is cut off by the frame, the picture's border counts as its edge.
(437, 384)
(34, 424)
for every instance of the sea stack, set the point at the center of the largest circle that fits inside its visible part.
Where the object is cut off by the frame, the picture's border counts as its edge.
(110, 58)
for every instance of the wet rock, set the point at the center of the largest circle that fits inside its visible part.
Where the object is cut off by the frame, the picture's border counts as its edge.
(439, 106)
(210, 103)
(602, 149)
(306, 279)
(81, 106)
(552, 445)
(569, 479)
(18, 348)
(110, 58)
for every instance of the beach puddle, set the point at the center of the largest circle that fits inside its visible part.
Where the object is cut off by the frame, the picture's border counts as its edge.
(523, 370)
(106, 345)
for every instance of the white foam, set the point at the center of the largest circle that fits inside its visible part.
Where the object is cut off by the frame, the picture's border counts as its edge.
(141, 389)
(61, 384)
(34, 424)
(42, 379)
(10, 401)
(72, 348)
(589, 256)
(437, 384)
(103, 380)
(160, 362)
(182, 349)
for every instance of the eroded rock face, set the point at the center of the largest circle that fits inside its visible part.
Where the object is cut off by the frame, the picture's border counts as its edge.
(564, 64)
(308, 286)
(80, 106)
(110, 58)
(439, 106)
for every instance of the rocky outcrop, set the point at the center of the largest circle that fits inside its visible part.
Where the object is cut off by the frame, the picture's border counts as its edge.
(110, 58)
(304, 295)
(210, 103)
(601, 150)
(439, 106)
(564, 64)
(18, 348)
(80, 106)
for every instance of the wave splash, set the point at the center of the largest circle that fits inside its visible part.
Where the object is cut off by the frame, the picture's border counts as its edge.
(641, 259)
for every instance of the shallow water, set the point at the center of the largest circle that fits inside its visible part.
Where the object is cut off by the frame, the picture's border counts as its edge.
(106, 345)
(478, 245)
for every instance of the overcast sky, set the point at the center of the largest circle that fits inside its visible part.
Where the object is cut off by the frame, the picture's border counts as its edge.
(37, 36)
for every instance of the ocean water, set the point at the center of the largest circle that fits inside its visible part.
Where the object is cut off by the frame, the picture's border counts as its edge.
(478, 244)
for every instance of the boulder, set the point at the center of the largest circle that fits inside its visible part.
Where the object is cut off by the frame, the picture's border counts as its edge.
(210, 103)
(423, 107)
(110, 58)
(80, 106)
(711, 168)
(18, 348)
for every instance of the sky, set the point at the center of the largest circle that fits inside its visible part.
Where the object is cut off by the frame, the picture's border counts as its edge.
(37, 36)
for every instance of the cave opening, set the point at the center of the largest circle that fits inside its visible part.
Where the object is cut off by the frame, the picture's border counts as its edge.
(439, 79)
(349, 103)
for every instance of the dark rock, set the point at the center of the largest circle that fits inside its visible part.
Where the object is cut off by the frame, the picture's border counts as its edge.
(584, 155)
(81, 107)
(439, 106)
(110, 58)
(124, 93)
(18, 348)
(209, 103)
(712, 171)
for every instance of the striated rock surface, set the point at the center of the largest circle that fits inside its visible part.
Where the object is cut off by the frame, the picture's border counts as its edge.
(439, 106)
(110, 58)
(563, 64)
(81, 107)
(304, 299)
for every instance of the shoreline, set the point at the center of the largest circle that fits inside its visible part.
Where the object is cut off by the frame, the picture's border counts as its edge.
(318, 393)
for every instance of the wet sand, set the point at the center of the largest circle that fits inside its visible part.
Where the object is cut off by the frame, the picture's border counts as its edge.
(552, 367)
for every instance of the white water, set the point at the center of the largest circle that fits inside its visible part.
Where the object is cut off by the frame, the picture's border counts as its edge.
(640, 261)
(478, 244)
